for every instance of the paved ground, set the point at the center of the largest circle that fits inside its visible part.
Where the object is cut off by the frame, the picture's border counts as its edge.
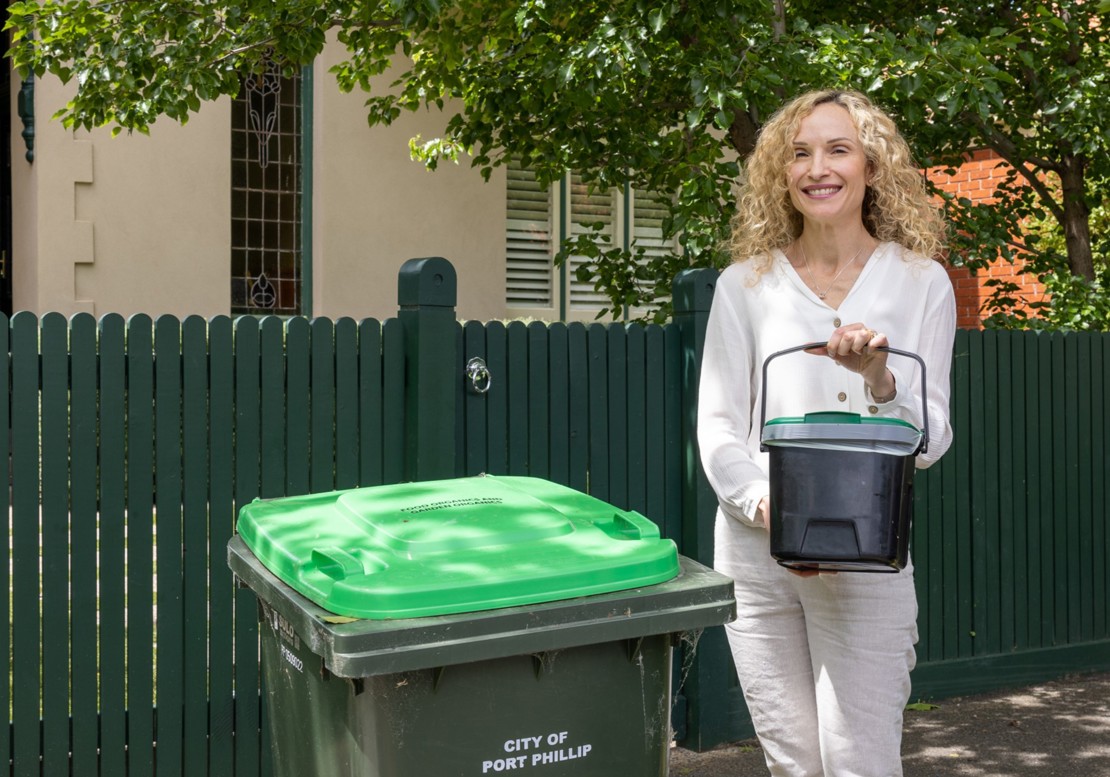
(1056, 729)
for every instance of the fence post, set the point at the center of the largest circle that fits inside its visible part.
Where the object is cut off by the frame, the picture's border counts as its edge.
(693, 294)
(710, 692)
(427, 291)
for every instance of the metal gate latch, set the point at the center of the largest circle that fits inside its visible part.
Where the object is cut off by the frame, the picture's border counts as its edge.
(478, 373)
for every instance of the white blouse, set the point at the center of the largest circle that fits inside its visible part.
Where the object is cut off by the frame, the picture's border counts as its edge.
(899, 293)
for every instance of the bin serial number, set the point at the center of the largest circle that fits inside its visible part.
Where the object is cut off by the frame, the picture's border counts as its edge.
(292, 659)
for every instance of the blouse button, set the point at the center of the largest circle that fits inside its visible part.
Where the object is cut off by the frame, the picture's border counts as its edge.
(872, 409)
(842, 396)
(836, 322)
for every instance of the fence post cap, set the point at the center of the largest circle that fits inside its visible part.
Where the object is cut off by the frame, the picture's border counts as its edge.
(693, 289)
(427, 281)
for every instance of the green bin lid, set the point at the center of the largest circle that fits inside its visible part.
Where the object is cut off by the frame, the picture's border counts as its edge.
(451, 546)
(836, 430)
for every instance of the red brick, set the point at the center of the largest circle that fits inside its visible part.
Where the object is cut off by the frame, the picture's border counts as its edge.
(976, 180)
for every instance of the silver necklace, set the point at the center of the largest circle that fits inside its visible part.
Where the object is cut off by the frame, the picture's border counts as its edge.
(809, 272)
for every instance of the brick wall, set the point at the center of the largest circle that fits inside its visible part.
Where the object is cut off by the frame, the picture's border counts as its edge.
(976, 180)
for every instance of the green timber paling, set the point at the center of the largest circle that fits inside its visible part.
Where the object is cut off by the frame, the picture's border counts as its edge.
(135, 442)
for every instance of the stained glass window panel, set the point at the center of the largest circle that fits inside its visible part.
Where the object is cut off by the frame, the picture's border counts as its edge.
(266, 167)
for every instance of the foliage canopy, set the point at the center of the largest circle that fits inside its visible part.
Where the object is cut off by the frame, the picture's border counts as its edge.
(667, 95)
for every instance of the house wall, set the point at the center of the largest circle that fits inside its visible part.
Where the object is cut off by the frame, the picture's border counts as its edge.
(141, 224)
(131, 224)
(374, 208)
(976, 179)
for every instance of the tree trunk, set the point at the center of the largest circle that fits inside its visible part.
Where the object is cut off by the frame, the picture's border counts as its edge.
(1077, 224)
(778, 23)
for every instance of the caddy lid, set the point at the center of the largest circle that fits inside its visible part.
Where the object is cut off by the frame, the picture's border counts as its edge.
(836, 430)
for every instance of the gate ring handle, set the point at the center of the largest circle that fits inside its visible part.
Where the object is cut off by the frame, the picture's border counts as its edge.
(478, 372)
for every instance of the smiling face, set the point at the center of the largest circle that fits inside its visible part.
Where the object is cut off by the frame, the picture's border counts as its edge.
(827, 178)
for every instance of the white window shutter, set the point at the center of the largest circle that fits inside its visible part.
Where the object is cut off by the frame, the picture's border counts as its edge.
(648, 212)
(589, 208)
(528, 242)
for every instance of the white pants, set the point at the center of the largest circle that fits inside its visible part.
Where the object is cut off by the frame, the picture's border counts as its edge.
(824, 661)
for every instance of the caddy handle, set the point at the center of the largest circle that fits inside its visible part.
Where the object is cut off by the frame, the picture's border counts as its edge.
(807, 346)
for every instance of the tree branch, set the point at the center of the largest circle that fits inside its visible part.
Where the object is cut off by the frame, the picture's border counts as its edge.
(1013, 156)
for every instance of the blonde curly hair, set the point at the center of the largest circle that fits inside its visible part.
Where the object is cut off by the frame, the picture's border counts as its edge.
(896, 206)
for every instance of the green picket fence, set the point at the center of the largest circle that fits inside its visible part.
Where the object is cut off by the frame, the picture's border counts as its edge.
(134, 443)
(1011, 541)
(594, 407)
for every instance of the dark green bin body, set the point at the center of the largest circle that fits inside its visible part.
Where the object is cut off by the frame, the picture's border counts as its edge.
(468, 694)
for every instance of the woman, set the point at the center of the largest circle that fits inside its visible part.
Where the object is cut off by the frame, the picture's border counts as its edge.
(834, 241)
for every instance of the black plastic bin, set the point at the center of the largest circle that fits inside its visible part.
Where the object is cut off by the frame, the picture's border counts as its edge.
(572, 686)
(842, 485)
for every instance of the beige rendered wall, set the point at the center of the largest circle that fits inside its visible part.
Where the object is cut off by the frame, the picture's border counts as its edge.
(141, 224)
(374, 208)
(131, 224)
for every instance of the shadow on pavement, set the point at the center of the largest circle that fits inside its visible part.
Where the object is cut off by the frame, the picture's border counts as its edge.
(1056, 729)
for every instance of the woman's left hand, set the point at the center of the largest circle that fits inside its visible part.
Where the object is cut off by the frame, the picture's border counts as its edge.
(854, 347)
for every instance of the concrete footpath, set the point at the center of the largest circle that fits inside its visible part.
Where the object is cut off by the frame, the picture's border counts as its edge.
(1055, 729)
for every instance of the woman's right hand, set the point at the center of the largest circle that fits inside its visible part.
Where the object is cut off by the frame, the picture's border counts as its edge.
(763, 510)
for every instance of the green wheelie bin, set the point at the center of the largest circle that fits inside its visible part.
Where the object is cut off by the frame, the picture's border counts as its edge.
(473, 626)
